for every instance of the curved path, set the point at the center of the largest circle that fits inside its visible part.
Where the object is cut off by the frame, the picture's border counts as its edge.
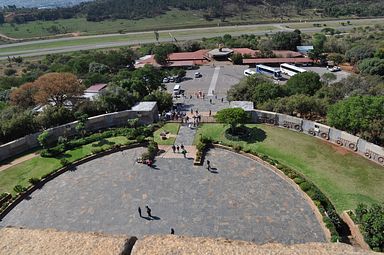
(242, 200)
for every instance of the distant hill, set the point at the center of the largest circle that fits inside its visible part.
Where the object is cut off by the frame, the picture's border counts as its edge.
(41, 3)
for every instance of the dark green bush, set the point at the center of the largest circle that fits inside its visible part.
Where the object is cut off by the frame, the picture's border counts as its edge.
(34, 180)
(19, 189)
(298, 180)
(237, 147)
(305, 186)
(64, 162)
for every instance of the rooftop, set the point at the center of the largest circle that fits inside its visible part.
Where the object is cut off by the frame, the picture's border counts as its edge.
(276, 60)
(144, 106)
(96, 88)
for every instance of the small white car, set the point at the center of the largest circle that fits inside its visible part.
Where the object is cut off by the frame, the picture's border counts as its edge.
(165, 80)
(334, 69)
(198, 75)
(249, 72)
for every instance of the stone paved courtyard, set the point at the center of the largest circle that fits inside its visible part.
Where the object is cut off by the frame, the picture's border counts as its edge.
(241, 199)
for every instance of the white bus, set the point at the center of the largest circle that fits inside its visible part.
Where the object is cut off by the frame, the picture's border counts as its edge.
(249, 72)
(274, 72)
(291, 70)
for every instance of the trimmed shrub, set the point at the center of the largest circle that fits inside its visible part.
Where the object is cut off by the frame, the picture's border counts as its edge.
(305, 186)
(19, 189)
(34, 180)
(64, 162)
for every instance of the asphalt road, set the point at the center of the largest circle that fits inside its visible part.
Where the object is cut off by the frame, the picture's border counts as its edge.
(194, 34)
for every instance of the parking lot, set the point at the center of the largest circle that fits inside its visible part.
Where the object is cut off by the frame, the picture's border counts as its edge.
(224, 76)
(220, 78)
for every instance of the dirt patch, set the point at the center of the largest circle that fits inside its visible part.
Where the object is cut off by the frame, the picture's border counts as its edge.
(339, 149)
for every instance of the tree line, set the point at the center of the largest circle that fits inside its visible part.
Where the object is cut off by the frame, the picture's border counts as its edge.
(130, 9)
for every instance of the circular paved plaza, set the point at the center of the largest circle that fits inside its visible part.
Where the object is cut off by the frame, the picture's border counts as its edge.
(241, 200)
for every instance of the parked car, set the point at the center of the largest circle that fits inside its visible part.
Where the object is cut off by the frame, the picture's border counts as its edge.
(171, 79)
(165, 80)
(334, 69)
(198, 75)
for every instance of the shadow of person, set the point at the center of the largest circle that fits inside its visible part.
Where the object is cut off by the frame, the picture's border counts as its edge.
(147, 218)
(155, 218)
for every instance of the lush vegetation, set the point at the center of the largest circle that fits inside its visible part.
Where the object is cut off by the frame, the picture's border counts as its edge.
(321, 163)
(129, 9)
(55, 82)
(371, 222)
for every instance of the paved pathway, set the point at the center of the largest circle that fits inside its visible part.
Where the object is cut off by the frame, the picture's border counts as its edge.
(212, 86)
(185, 135)
(18, 161)
(241, 200)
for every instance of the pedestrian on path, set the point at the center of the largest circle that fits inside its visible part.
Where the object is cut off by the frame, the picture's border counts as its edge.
(184, 153)
(191, 111)
(222, 99)
(148, 211)
(210, 100)
(172, 231)
(210, 113)
(208, 165)
(178, 149)
(139, 210)
(182, 146)
(174, 148)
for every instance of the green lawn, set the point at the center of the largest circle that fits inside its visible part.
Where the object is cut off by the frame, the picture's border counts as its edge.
(346, 178)
(39, 166)
(172, 128)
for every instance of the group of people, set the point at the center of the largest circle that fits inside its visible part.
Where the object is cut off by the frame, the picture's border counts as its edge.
(179, 149)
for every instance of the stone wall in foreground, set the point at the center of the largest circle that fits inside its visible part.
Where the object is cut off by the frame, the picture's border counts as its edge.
(343, 139)
(146, 112)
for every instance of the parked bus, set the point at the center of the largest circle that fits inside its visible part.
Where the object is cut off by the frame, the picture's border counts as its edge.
(249, 72)
(274, 72)
(291, 70)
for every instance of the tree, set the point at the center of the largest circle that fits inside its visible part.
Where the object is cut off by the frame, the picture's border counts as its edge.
(81, 124)
(43, 139)
(359, 52)
(360, 115)
(163, 99)
(10, 71)
(95, 67)
(337, 58)
(232, 117)
(53, 116)
(371, 221)
(372, 66)
(24, 95)
(2, 19)
(304, 83)
(328, 77)
(57, 88)
(286, 40)
(15, 123)
(116, 98)
(237, 59)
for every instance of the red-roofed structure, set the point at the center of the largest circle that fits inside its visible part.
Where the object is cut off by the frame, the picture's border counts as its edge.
(255, 61)
(96, 88)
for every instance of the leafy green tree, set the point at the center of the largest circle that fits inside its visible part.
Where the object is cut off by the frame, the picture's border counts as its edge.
(95, 67)
(15, 123)
(286, 40)
(163, 99)
(304, 83)
(233, 117)
(116, 98)
(360, 115)
(43, 139)
(81, 124)
(237, 59)
(53, 116)
(372, 66)
(145, 80)
(337, 58)
(265, 91)
(359, 52)
(371, 221)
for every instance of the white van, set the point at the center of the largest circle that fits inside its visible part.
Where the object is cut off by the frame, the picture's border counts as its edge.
(176, 89)
(249, 72)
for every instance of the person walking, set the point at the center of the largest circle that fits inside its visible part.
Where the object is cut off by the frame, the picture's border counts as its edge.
(210, 100)
(182, 146)
(149, 211)
(139, 210)
(178, 149)
(174, 148)
(210, 113)
(184, 153)
(208, 165)
(172, 231)
(222, 99)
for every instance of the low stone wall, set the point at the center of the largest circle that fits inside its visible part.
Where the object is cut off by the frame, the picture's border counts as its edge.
(146, 112)
(355, 231)
(353, 143)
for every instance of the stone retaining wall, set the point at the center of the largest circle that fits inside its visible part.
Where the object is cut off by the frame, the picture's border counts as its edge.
(355, 231)
(353, 143)
(146, 112)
